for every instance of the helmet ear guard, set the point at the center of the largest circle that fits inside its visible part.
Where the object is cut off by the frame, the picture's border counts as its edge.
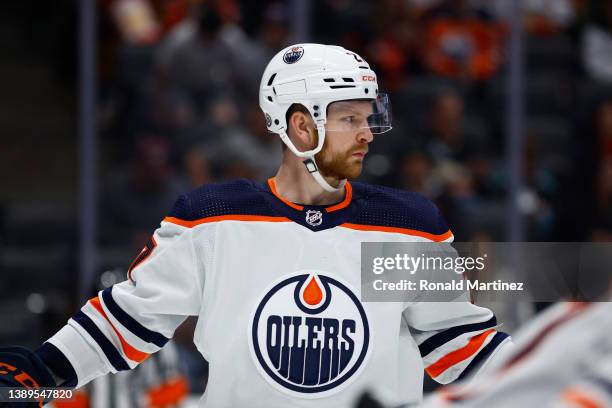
(313, 75)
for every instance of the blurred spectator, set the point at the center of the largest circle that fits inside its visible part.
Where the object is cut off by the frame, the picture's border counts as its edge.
(458, 181)
(451, 165)
(135, 199)
(541, 17)
(345, 22)
(273, 33)
(546, 17)
(261, 149)
(197, 168)
(394, 50)
(136, 21)
(195, 65)
(254, 53)
(446, 137)
(459, 201)
(460, 41)
(242, 151)
(597, 43)
(541, 189)
(415, 174)
(421, 7)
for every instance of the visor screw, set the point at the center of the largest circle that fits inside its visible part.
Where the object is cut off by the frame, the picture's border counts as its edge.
(316, 107)
(276, 121)
(316, 115)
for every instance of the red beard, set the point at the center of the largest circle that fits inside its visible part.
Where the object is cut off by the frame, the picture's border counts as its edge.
(339, 165)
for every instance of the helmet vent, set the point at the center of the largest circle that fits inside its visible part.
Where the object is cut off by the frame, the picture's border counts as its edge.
(341, 86)
(364, 67)
(348, 79)
(329, 80)
(271, 78)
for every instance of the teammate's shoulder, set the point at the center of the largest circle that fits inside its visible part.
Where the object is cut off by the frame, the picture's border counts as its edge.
(237, 197)
(392, 207)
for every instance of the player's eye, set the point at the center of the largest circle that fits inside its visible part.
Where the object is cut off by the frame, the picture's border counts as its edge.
(348, 119)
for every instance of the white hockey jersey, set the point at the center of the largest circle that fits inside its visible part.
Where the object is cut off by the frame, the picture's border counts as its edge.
(563, 358)
(276, 288)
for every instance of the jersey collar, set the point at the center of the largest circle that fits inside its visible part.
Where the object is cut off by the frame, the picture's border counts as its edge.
(314, 217)
(348, 196)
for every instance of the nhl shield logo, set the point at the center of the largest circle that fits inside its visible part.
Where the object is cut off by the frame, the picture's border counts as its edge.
(293, 55)
(314, 217)
(309, 335)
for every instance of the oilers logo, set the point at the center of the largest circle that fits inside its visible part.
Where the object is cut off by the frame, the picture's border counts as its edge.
(309, 335)
(293, 55)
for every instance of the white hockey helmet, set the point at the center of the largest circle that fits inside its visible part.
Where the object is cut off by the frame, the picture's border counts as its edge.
(315, 75)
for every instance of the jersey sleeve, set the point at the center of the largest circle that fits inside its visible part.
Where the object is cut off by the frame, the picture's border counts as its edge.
(455, 339)
(124, 324)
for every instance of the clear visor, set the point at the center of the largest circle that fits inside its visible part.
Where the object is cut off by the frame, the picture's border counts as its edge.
(352, 115)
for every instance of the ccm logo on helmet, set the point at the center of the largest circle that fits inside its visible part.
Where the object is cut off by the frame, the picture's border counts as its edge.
(309, 335)
(368, 78)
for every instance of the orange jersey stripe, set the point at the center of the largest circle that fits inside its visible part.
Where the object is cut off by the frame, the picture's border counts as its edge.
(140, 258)
(235, 217)
(347, 199)
(580, 399)
(129, 351)
(457, 356)
(272, 185)
(406, 231)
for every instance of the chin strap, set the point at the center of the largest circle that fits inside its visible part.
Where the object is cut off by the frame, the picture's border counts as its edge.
(311, 165)
(312, 168)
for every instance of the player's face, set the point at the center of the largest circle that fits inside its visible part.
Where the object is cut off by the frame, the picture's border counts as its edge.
(346, 140)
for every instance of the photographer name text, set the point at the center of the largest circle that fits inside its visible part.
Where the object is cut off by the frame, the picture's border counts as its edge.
(455, 285)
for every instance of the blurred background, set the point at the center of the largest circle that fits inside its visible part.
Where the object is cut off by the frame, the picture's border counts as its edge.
(110, 109)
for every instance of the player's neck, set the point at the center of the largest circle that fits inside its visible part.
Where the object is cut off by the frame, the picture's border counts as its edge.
(294, 183)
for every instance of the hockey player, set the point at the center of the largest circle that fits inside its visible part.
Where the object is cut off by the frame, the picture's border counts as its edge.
(562, 358)
(273, 270)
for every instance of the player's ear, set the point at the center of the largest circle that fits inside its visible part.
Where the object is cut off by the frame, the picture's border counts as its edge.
(303, 129)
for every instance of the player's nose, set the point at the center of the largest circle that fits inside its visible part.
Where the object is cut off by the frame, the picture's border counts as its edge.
(365, 135)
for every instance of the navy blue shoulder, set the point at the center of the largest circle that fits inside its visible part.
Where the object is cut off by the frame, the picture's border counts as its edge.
(390, 207)
(239, 197)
